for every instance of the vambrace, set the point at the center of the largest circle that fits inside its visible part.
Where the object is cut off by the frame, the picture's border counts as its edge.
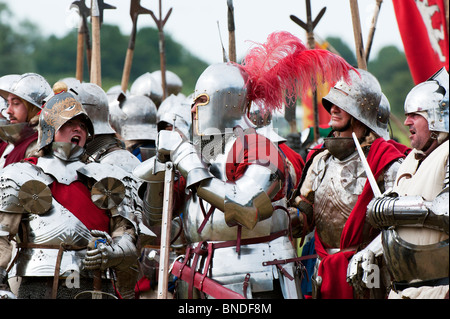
(248, 200)
(410, 211)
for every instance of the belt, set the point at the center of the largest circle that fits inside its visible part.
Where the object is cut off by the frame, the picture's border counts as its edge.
(399, 286)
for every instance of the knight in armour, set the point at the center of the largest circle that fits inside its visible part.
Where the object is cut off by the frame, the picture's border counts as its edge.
(334, 193)
(63, 214)
(413, 216)
(237, 238)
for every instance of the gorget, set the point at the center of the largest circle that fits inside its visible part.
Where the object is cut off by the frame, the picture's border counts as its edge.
(337, 185)
(63, 171)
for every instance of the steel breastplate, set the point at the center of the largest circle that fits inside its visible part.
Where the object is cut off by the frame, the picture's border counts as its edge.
(337, 185)
(56, 226)
(407, 262)
(216, 228)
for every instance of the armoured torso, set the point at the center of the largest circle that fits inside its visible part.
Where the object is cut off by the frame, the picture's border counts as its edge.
(55, 227)
(411, 252)
(336, 185)
(216, 229)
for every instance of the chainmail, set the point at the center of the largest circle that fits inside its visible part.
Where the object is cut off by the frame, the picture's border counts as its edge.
(41, 288)
(212, 145)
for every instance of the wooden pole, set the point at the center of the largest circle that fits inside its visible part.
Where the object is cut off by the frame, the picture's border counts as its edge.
(359, 45)
(372, 29)
(96, 72)
(231, 32)
(163, 276)
(309, 27)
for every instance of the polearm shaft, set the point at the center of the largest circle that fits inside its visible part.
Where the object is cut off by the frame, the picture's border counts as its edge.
(163, 276)
(231, 32)
(135, 10)
(309, 28)
(96, 71)
(372, 29)
(370, 177)
(359, 45)
(162, 55)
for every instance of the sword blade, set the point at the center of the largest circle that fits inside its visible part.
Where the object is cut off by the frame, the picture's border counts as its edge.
(370, 177)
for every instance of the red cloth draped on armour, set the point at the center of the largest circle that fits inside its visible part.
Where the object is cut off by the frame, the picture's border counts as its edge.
(18, 152)
(333, 268)
(252, 149)
(77, 199)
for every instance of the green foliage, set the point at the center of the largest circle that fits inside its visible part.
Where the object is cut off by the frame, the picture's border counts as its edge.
(25, 50)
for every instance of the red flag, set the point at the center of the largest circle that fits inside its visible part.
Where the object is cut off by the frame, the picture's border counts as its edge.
(423, 29)
(307, 102)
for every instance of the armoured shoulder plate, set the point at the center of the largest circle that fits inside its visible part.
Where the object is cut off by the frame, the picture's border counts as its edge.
(114, 189)
(24, 188)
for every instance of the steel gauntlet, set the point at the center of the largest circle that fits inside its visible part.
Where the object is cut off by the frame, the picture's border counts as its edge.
(410, 211)
(119, 252)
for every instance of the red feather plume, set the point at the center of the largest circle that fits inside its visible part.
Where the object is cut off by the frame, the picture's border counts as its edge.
(283, 68)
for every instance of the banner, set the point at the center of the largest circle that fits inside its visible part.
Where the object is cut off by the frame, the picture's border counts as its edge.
(423, 28)
(308, 106)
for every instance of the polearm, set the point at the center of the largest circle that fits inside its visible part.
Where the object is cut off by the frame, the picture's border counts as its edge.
(97, 7)
(163, 275)
(135, 10)
(231, 30)
(83, 38)
(309, 27)
(359, 45)
(372, 29)
(162, 55)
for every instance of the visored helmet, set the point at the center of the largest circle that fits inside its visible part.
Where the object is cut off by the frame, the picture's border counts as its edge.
(176, 110)
(95, 103)
(58, 110)
(431, 96)
(225, 87)
(361, 99)
(30, 87)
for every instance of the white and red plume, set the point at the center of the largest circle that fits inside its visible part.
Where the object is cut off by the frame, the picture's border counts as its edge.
(284, 67)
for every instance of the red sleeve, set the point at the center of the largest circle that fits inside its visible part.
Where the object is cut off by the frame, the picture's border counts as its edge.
(295, 159)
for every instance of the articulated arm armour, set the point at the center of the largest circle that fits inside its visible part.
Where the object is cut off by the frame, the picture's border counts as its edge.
(244, 201)
(410, 211)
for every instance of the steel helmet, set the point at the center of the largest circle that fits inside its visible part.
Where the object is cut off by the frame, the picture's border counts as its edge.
(59, 109)
(134, 117)
(225, 88)
(30, 87)
(361, 99)
(147, 85)
(176, 110)
(173, 82)
(431, 97)
(95, 102)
